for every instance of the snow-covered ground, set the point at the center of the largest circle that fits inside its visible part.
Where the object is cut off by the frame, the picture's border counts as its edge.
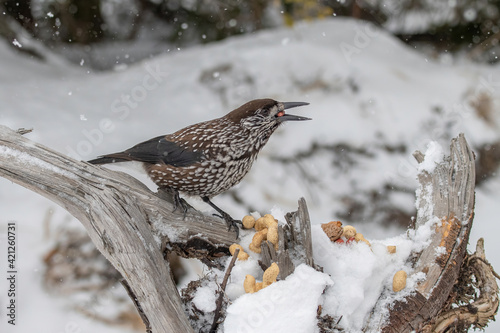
(373, 102)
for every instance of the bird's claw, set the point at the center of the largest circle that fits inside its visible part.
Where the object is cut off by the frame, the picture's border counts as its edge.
(179, 202)
(231, 223)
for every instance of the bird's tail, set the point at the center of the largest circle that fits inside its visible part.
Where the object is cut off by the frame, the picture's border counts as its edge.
(111, 158)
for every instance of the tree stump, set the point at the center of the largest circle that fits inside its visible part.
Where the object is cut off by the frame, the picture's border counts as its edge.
(446, 195)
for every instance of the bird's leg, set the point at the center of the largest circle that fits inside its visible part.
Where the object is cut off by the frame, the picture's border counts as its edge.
(231, 223)
(178, 201)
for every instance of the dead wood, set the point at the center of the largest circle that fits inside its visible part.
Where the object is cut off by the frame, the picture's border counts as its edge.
(474, 300)
(128, 223)
(447, 196)
(220, 299)
(294, 243)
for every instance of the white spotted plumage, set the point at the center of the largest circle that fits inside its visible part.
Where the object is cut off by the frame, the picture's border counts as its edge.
(210, 157)
(229, 149)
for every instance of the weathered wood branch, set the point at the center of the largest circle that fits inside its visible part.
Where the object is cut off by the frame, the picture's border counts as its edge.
(220, 298)
(473, 312)
(127, 222)
(294, 245)
(446, 196)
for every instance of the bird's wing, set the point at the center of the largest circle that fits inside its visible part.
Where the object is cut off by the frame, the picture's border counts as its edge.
(156, 150)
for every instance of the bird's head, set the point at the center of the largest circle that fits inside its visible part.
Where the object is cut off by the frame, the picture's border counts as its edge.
(264, 115)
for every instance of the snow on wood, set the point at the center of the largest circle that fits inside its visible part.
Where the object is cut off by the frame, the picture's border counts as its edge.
(119, 214)
(446, 195)
(132, 227)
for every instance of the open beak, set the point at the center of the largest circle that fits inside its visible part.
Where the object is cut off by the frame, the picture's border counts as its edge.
(287, 117)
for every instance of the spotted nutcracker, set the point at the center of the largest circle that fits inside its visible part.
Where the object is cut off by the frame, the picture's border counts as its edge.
(210, 157)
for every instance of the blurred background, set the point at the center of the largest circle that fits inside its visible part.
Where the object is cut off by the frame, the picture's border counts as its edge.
(106, 33)
(384, 78)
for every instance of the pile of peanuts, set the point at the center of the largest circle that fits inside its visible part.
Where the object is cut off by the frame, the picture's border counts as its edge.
(269, 277)
(266, 228)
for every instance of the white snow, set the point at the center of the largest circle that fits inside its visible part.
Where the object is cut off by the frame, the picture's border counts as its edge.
(16, 43)
(205, 299)
(373, 92)
(26, 159)
(433, 156)
(362, 273)
(285, 306)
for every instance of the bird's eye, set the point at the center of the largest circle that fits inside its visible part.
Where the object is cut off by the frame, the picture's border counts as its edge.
(265, 112)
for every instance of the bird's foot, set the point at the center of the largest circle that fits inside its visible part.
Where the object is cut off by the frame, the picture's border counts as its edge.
(231, 223)
(178, 202)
